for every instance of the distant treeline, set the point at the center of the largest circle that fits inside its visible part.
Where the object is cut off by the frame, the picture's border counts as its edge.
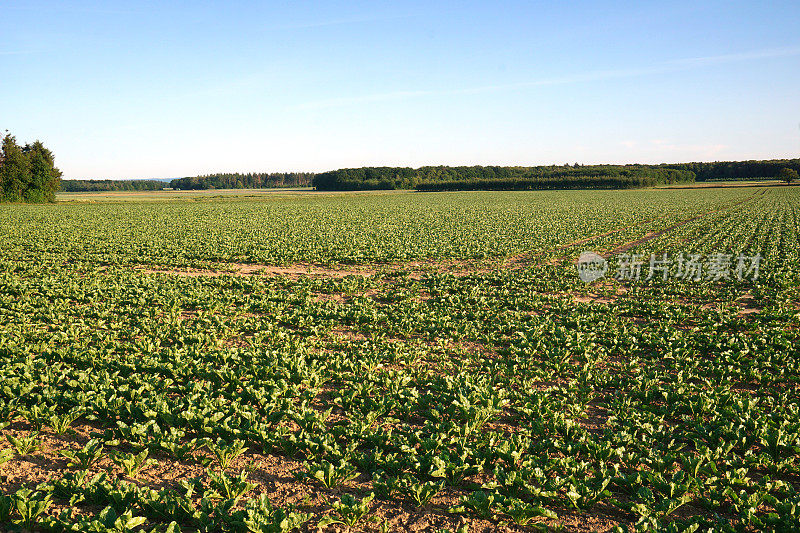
(738, 170)
(260, 180)
(111, 185)
(502, 178)
(254, 180)
(27, 173)
(441, 178)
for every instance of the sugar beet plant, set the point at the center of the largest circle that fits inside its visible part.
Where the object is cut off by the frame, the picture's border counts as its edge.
(509, 397)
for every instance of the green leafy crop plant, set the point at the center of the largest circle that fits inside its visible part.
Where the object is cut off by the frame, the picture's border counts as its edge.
(440, 345)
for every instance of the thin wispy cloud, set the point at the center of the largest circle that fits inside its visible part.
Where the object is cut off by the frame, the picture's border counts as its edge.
(744, 56)
(50, 8)
(382, 97)
(341, 21)
(666, 67)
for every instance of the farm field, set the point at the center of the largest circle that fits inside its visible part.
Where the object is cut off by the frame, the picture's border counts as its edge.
(121, 196)
(298, 361)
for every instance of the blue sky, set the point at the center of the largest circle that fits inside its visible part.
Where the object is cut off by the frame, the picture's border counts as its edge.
(167, 89)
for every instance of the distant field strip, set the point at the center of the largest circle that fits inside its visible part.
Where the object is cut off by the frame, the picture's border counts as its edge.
(348, 229)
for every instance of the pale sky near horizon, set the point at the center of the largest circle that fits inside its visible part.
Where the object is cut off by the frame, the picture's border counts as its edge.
(168, 89)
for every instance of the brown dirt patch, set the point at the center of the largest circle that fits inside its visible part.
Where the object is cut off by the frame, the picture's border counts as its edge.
(593, 298)
(748, 304)
(247, 269)
(414, 269)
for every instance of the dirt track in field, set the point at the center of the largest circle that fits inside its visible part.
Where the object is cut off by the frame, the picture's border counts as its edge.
(246, 269)
(414, 269)
(524, 259)
(655, 234)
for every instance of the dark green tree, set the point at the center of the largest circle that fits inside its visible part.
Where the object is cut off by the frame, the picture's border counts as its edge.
(45, 177)
(788, 175)
(27, 174)
(15, 172)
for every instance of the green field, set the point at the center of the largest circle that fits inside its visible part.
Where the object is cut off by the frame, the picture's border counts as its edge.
(399, 361)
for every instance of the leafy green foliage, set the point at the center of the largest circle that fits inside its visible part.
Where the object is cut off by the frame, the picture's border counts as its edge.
(6, 454)
(91, 452)
(29, 506)
(523, 512)
(111, 522)
(260, 516)
(27, 173)
(6, 508)
(132, 464)
(25, 445)
(420, 493)
(441, 372)
(328, 474)
(230, 487)
(61, 423)
(349, 511)
(788, 175)
(226, 453)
